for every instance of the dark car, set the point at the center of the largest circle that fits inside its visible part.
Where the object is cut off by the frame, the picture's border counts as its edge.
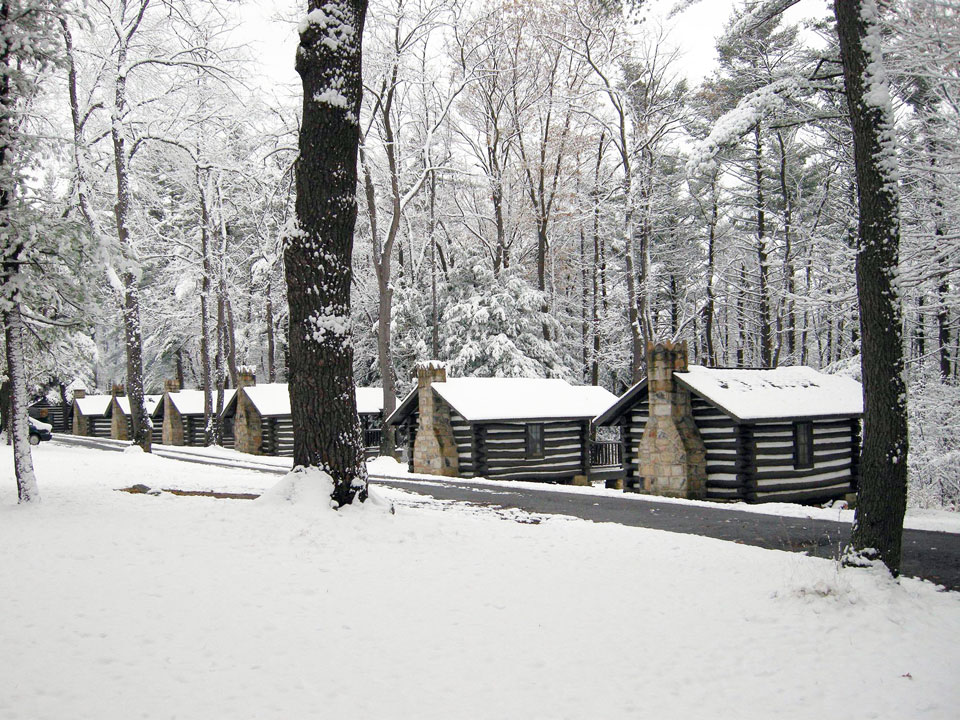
(39, 431)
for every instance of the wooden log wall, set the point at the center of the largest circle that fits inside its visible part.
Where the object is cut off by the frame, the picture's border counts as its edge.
(630, 435)
(464, 437)
(834, 470)
(193, 426)
(99, 426)
(226, 432)
(725, 455)
(156, 433)
(501, 451)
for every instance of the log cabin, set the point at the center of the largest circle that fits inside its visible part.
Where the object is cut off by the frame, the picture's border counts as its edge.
(183, 416)
(121, 424)
(90, 414)
(261, 422)
(789, 434)
(507, 428)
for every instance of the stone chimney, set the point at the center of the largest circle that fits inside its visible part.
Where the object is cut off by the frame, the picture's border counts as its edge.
(246, 376)
(79, 393)
(171, 385)
(673, 459)
(434, 449)
(118, 390)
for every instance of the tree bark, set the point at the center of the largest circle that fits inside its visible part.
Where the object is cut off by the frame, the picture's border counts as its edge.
(318, 255)
(271, 341)
(131, 293)
(27, 488)
(206, 286)
(878, 522)
(766, 341)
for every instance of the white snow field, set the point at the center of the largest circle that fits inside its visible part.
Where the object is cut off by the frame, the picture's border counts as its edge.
(119, 606)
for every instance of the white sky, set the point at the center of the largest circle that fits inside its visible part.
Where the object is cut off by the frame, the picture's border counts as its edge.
(694, 32)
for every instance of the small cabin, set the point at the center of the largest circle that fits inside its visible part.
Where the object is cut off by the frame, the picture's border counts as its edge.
(57, 414)
(90, 414)
(121, 424)
(507, 428)
(263, 425)
(184, 420)
(789, 434)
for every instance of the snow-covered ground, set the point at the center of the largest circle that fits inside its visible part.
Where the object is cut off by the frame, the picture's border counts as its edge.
(115, 605)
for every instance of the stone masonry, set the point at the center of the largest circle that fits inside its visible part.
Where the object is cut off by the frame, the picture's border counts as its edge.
(119, 422)
(247, 423)
(81, 425)
(673, 459)
(434, 450)
(172, 430)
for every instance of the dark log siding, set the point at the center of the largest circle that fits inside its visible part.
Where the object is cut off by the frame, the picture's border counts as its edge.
(277, 436)
(724, 453)
(193, 430)
(99, 426)
(228, 438)
(754, 461)
(156, 432)
(501, 451)
(631, 435)
(463, 435)
(834, 463)
(59, 416)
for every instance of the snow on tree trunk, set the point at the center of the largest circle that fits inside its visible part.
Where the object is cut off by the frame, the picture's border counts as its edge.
(317, 252)
(27, 488)
(878, 524)
(128, 279)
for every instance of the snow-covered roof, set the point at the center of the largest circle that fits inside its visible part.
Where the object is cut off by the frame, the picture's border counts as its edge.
(94, 404)
(273, 399)
(749, 395)
(190, 402)
(796, 391)
(369, 400)
(151, 401)
(486, 399)
(270, 399)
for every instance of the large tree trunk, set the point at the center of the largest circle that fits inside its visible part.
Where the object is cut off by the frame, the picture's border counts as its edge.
(326, 430)
(878, 523)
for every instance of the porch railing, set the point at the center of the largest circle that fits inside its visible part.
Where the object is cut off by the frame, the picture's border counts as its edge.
(605, 454)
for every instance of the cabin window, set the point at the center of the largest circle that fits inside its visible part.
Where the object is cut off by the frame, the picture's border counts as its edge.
(535, 440)
(803, 445)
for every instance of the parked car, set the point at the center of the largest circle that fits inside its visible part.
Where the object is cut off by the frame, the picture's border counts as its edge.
(39, 431)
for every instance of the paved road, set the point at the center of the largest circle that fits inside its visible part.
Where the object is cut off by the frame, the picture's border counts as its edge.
(931, 555)
(934, 556)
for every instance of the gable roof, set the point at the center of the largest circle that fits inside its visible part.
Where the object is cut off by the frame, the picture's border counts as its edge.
(190, 402)
(273, 399)
(489, 399)
(151, 401)
(93, 404)
(749, 395)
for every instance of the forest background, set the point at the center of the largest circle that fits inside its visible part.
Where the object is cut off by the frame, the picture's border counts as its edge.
(542, 189)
